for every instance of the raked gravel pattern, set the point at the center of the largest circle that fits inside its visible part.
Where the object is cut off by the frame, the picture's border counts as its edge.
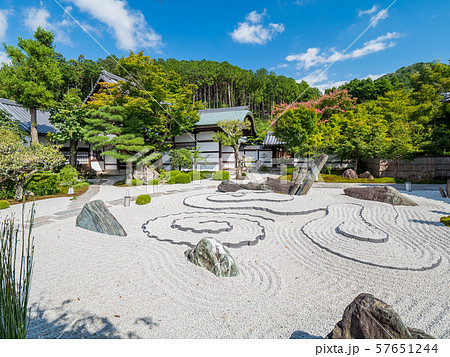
(89, 285)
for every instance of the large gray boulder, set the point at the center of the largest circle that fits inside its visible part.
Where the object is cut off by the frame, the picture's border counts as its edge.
(210, 254)
(369, 317)
(96, 217)
(386, 194)
(273, 185)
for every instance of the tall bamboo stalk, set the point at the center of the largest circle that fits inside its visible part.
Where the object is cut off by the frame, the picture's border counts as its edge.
(16, 264)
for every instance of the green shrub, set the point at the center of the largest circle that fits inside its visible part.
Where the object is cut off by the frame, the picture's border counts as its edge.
(183, 178)
(208, 174)
(196, 175)
(81, 184)
(136, 182)
(43, 184)
(171, 180)
(4, 204)
(143, 199)
(288, 170)
(221, 175)
(7, 189)
(446, 220)
(172, 173)
(244, 174)
(153, 182)
(162, 174)
(263, 168)
(68, 176)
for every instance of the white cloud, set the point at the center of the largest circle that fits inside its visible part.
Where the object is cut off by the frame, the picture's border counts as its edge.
(4, 58)
(314, 57)
(328, 85)
(255, 17)
(368, 12)
(129, 27)
(381, 15)
(374, 77)
(315, 77)
(35, 17)
(253, 31)
(3, 23)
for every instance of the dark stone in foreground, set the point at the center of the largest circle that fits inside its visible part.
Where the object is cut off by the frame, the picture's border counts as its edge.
(369, 317)
(96, 217)
(210, 254)
(274, 185)
(384, 194)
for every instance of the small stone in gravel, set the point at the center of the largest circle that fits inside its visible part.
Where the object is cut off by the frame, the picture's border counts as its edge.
(210, 254)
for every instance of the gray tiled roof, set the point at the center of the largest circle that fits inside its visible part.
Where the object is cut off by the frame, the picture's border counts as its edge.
(272, 140)
(107, 77)
(18, 112)
(212, 116)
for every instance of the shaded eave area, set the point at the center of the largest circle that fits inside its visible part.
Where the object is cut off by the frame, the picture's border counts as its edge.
(23, 116)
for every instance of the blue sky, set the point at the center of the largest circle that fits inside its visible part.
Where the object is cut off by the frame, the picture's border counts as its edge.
(295, 38)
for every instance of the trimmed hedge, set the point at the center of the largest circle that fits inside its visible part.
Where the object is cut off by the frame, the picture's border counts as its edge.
(208, 174)
(143, 199)
(4, 204)
(43, 184)
(196, 175)
(172, 173)
(183, 178)
(221, 175)
(153, 182)
(171, 180)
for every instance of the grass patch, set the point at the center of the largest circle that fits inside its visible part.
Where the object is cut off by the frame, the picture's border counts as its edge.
(340, 179)
(134, 182)
(78, 190)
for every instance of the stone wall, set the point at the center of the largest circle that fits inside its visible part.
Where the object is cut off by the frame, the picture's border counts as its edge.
(421, 168)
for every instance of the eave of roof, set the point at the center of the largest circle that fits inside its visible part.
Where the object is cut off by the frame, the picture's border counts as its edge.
(210, 117)
(22, 114)
(106, 77)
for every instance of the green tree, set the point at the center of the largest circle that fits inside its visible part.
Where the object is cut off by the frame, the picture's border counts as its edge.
(142, 114)
(231, 135)
(19, 162)
(68, 117)
(359, 135)
(298, 128)
(181, 158)
(33, 77)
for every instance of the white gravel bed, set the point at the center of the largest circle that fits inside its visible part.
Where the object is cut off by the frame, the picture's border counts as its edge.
(89, 285)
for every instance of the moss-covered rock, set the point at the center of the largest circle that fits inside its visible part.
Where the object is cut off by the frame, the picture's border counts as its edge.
(446, 220)
(4, 204)
(210, 254)
(143, 199)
